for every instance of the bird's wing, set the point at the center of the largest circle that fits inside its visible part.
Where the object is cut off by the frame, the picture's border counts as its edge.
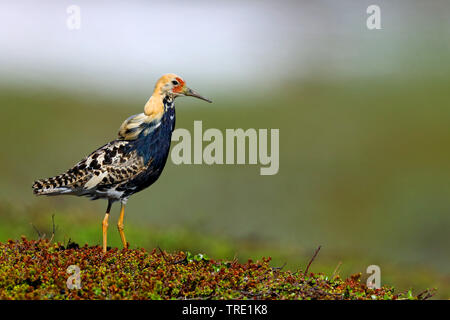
(109, 165)
(112, 165)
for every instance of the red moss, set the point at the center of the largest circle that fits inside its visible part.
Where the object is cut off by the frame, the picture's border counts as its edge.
(38, 270)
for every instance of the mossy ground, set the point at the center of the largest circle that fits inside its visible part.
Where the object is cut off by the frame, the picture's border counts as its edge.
(37, 269)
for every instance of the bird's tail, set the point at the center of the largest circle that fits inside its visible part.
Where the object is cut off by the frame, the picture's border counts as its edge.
(55, 185)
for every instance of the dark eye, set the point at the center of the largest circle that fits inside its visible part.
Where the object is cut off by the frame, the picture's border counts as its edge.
(174, 82)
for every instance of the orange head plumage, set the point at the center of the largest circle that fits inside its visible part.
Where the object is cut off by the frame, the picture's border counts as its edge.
(172, 86)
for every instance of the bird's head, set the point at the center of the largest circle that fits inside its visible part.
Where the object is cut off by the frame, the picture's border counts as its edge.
(172, 85)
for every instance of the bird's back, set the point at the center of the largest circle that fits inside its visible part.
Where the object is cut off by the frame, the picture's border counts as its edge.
(122, 167)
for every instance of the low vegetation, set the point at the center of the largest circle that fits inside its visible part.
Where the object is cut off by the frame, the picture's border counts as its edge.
(38, 269)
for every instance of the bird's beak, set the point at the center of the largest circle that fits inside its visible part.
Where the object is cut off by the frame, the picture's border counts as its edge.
(192, 93)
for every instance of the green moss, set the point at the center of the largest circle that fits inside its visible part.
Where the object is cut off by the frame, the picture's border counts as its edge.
(38, 270)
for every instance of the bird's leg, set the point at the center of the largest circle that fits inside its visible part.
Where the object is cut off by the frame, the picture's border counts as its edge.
(105, 225)
(120, 226)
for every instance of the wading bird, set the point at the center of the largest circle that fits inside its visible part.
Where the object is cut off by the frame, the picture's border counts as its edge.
(129, 164)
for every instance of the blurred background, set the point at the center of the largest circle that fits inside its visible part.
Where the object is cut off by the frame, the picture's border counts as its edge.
(364, 119)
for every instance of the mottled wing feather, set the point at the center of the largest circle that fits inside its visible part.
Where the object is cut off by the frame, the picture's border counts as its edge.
(109, 166)
(112, 165)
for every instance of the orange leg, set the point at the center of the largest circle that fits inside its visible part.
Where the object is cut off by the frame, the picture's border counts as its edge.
(105, 226)
(105, 230)
(120, 226)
